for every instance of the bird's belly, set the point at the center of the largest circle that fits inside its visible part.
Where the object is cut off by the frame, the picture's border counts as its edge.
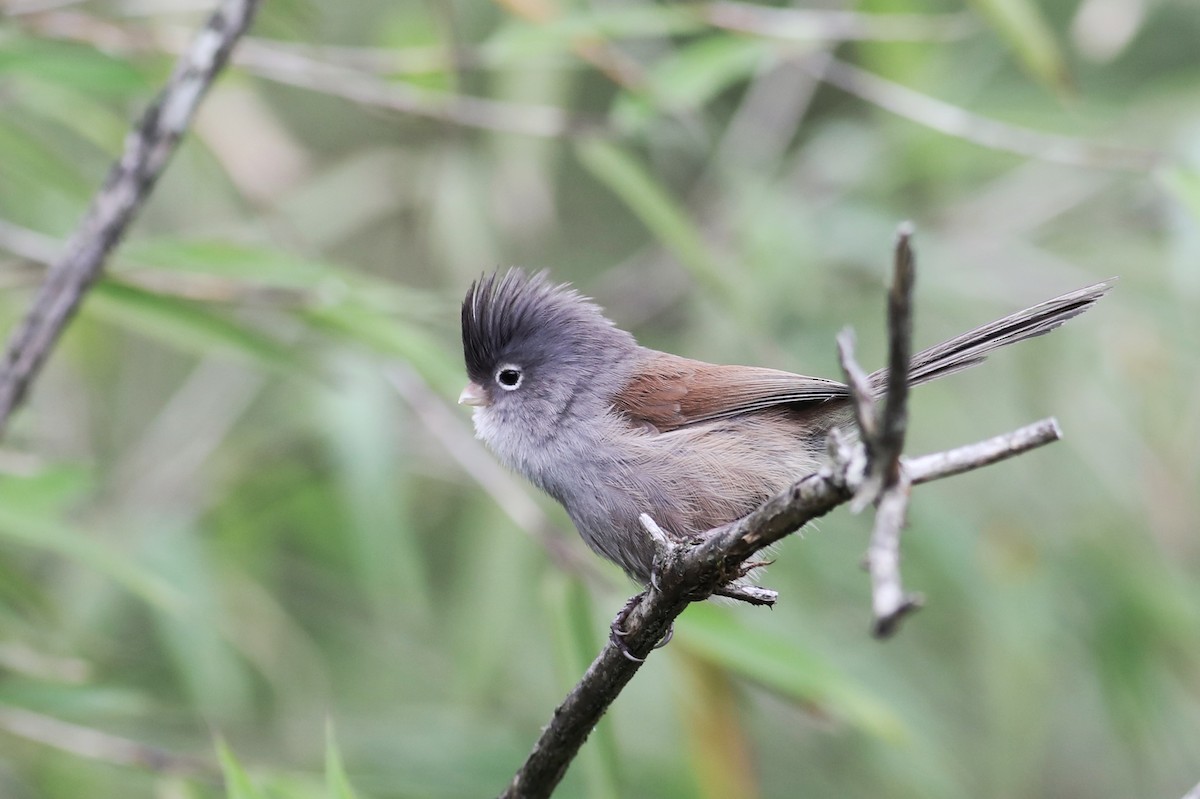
(689, 481)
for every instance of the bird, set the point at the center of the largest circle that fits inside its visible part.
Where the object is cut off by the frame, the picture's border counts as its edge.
(613, 430)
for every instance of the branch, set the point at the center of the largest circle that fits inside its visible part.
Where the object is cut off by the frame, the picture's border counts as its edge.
(148, 148)
(694, 570)
(927, 468)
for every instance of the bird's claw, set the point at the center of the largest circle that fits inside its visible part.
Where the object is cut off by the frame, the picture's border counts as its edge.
(617, 631)
(664, 547)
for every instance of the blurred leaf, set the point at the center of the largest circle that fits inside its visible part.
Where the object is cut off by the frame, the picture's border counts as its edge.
(76, 66)
(264, 265)
(694, 74)
(562, 33)
(85, 115)
(1184, 184)
(185, 324)
(29, 164)
(721, 749)
(289, 19)
(32, 526)
(87, 700)
(215, 678)
(658, 211)
(367, 441)
(1021, 24)
(48, 490)
(690, 77)
(21, 594)
(337, 783)
(40, 495)
(785, 668)
(237, 781)
(415, 26)
(251, 266)
(389, 335)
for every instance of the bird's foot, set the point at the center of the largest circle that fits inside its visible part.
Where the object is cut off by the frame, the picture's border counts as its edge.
(617, 631)
(664, 548)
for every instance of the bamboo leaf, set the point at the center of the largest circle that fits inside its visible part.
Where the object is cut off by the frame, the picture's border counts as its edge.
(785, 668)
(391, 335)
(1021, 24)
(185, 324)
(690, 77)
(1184, 184)
(237, 781)
(38, 530)
(560, 33)
(336, 782)
(616, 168)
(75, 66)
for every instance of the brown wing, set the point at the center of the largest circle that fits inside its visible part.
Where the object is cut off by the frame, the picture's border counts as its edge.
(668, 392)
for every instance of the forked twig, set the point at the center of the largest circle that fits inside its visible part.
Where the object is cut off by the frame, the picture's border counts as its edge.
(883, 437)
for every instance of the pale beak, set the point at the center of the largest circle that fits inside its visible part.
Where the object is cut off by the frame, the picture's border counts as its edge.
(473, 395)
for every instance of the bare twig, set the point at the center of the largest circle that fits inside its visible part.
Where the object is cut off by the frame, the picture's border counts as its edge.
(927, 468)
(960, 123)
(1194, 793)
(102, 746)
(696, 569)
(148, 148)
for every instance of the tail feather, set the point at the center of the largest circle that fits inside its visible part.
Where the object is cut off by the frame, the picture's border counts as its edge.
(970, 348)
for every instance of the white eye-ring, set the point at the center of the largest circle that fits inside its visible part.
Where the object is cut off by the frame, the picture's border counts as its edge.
(509, 377)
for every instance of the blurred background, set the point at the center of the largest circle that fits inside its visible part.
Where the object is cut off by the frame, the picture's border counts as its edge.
(242, 506)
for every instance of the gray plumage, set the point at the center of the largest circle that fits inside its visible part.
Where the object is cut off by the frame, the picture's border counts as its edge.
(613, 430)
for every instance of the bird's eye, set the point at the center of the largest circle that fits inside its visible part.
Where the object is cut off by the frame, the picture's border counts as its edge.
(509, 377)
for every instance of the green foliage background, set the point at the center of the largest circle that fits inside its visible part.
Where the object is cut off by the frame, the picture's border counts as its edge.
(242, 505)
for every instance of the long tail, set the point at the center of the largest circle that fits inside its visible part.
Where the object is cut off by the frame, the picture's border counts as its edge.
(963, 352)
